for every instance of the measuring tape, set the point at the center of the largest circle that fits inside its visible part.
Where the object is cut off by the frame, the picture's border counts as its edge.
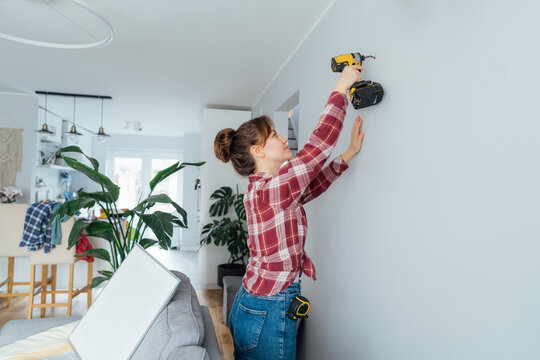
(298, 308)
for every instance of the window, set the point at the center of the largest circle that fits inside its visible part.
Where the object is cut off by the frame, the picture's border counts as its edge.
(133, 171)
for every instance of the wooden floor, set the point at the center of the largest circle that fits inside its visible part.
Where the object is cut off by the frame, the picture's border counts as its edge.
(211, 298)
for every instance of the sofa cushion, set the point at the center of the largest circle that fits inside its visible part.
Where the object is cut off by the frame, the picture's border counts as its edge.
(19, 329)
(50, 342)
(179, 324)
(189, 353)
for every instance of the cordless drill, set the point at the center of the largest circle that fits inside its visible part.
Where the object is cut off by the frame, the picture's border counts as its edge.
(363, 93)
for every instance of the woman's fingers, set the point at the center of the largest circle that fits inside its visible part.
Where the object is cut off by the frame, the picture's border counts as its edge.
(357, 124)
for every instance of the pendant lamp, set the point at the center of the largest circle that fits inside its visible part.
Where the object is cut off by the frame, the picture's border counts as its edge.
(73, 133)
(102, 136)
(45, 132)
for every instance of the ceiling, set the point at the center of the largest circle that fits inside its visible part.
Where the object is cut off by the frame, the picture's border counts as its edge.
(169, 59)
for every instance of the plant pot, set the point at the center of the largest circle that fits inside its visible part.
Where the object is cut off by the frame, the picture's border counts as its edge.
(229, 270)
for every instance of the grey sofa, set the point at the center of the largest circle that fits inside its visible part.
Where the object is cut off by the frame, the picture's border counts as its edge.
(182, 331)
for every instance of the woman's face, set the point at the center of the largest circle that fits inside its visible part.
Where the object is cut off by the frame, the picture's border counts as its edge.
(276, 148)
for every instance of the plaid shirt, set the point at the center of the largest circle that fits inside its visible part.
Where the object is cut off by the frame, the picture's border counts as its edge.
(35, 235)
(277, 223)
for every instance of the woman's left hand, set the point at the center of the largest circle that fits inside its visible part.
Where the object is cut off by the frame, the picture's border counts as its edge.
(357, 136)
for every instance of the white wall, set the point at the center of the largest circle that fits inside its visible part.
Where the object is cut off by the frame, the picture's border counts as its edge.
(22, 109)
(19, 110)
(192, 153)
(427, 247)
(215, 174)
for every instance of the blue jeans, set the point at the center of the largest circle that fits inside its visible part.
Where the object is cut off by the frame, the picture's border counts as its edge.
(259, 327)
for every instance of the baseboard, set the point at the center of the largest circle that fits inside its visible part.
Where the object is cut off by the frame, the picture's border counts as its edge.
(189, 248)
(198, 286)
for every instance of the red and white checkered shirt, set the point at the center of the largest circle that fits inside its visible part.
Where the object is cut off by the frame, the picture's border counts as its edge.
(277, 223)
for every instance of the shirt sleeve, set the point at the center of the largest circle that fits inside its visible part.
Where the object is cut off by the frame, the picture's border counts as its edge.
(324, 179)
(289, 183)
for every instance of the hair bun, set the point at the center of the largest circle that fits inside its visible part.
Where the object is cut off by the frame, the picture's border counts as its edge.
(222, 144)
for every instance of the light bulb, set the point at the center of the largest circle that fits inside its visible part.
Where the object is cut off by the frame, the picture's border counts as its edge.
(74, 138)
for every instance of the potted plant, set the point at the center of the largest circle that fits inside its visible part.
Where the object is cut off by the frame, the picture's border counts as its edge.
(228, 232)
(9, 194)
(121, 238)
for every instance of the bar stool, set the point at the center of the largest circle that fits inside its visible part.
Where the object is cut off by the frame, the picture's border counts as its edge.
(12, 219)
(59, 255)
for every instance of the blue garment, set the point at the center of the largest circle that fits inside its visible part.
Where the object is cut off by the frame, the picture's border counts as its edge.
(260, 327)
(56, 229)
(35, 234)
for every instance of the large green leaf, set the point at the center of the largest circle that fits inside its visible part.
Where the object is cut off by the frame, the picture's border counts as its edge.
(76, 231)
(209, 230)
(161, 224)
(77, 149)
(163, 199)
(94, 176)
(239, 207)
(179, 222)
(102, 229)
(70, 207)
(225, 198)
(98, 226)
(163, 174)
(98, 280)
(105, 197)
(106, 273)
(146, 243)
(97, 253)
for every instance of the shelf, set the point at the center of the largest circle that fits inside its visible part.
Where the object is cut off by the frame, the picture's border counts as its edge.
(56, 167)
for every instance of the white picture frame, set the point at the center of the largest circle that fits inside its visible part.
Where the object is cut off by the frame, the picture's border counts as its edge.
(125, 309)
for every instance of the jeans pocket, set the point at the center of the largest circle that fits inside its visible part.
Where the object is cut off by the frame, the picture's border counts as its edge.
(248, 327)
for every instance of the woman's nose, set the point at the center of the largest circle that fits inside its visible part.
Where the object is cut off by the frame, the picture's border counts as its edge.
(283, 139)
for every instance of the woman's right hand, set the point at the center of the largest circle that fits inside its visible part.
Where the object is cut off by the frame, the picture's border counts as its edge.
(349, 76)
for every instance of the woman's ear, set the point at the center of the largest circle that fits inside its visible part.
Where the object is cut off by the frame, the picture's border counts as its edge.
(256, 151)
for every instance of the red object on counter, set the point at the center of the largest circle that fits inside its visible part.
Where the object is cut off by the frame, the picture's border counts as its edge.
(82, 246)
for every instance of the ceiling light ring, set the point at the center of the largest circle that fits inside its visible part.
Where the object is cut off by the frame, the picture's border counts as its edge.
(95, 44)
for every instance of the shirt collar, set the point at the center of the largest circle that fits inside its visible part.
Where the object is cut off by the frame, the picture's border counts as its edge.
(259, 176)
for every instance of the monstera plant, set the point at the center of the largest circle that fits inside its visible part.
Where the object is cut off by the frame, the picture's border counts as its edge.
(121, 239)
(228, 232)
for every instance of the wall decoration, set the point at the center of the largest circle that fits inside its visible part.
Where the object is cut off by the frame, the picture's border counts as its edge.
(10, 155)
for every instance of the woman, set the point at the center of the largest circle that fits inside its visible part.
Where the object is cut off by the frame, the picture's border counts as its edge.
(277, 223)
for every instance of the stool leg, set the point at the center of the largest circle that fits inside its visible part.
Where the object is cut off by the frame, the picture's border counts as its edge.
(44, 270)
(31, 291)
(11, 261)
(70, 289)
(89, 291)
(53, 283)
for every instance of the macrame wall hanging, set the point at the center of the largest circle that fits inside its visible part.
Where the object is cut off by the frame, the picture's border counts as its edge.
(10, 155)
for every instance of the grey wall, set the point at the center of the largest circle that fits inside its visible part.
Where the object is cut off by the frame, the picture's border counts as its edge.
(427, 247)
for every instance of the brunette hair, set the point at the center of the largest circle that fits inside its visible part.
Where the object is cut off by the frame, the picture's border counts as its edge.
(235, 145)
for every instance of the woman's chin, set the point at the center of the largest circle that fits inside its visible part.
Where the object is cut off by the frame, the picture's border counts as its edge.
(289, 154)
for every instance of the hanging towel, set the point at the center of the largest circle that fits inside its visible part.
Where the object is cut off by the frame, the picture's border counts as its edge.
(35, 234)
(56, 229)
